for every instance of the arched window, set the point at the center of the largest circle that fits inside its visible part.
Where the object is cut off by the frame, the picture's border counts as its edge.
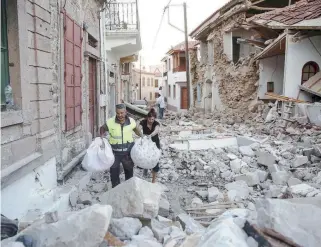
(309, 70)
(143, 81)
(148, 82)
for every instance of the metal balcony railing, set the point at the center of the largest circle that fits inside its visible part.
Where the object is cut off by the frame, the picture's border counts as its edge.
(180, 68)
(122, 16)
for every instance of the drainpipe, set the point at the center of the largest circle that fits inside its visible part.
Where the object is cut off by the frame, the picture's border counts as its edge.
(209, 96)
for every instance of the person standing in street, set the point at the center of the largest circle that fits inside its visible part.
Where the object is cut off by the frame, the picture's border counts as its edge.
(121, 128)
(150, 128)
(161, 102)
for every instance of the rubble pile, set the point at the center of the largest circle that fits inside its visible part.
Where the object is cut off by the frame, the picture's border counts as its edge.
(255, 190)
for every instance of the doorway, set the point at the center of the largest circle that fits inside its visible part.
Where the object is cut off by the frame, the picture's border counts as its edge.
(92, 95)
(184, 98)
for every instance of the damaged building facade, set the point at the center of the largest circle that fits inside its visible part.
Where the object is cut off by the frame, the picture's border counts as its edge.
(248, 49)
(52, 76)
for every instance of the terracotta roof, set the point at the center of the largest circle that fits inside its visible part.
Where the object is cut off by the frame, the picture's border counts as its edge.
(290, 15)
(181, 46)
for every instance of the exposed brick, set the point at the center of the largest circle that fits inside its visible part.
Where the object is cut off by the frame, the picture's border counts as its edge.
(45, 108)
(39, 12)
(44, 59)
(43, 43)
(44, 93)
(11, 133)
(23, 147)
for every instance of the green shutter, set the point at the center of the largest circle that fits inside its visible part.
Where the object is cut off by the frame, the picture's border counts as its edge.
(4, 53)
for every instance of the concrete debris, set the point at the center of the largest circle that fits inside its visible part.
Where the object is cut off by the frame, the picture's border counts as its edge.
(296, 220)
(85, 198)
(299, 161)
(214, 194)
(280, 177)
(72, 229)
(164, 206)
(147, 232)
(246, 151)
(190, 226)
(251, 178)
(265, 158)
(134, 198)
(125, 228)
(238, 190)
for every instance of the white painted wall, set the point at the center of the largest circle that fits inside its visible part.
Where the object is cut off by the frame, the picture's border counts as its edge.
(271, 69)
(298, 54)
(227, 45)
(18, 197)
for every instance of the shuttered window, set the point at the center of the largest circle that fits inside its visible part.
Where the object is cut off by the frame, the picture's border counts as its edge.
(4, 53)
(73, 76)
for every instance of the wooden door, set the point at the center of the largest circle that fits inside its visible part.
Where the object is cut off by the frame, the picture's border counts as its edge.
(92, 95)
(184, 99)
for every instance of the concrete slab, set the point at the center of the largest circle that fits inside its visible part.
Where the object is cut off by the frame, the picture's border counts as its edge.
(204, 144)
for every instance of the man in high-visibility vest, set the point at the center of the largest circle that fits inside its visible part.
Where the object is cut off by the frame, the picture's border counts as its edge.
(121, 128)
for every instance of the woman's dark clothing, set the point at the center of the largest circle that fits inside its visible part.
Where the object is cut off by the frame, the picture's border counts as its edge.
(148, 131)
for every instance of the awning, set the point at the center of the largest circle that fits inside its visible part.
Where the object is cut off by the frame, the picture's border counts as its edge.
(313, 85)
(277, 47)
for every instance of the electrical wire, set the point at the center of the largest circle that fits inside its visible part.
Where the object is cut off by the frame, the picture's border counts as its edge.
(160, 23)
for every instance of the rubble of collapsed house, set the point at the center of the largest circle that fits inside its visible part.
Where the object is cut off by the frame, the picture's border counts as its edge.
(222, 183)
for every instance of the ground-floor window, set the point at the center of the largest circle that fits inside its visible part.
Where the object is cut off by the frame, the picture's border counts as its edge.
(309, 70)
(4, 54)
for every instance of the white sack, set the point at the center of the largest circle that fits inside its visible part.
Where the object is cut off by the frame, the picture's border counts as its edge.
(145, 153)
(99, 156)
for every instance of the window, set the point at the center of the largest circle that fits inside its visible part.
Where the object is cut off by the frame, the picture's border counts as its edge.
(143, 81)
(152, 82)
(270, 87)
(236, 49)
(169, 90)
(169, 64)
(210, 52)
(309, 70)
(148, 82)
(4, 54)
(174, 91)
(125, 68)
(150, 96)
(156, 83)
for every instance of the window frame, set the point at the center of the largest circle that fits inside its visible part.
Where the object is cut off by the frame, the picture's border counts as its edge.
(310, 63)
(169, 91)
(174, 91)
(143, 81)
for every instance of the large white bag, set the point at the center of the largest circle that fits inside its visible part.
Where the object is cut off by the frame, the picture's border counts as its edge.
(99, 156)
(145, 153)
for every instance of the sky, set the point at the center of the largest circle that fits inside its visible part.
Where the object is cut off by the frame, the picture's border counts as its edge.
(150, 12)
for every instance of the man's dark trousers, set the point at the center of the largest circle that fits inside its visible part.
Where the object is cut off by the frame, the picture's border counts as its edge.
(128, 166)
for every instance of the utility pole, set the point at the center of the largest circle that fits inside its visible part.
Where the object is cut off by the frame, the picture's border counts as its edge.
(187, 58)
(140, 77)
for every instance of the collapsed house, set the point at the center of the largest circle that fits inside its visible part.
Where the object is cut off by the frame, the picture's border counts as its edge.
(245, 55)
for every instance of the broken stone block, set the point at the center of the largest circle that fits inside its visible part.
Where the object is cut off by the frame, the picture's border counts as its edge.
(134, 198)
(265, 158)
(251, 178)
(244, 141)
(101, 187)
(73, 197)
(317, 150)
(214, 194)
(280, 177)
(294, 181)
(308, 151)
(299, 160)
(142, 241)
(85, 198)
(160, 229)
(163, 206)
(301, 189)
(231, 156)
(147, 232)
(202, 194)
(196, 202)
(246, 151)
(236, 165)
(262, 175)
(297, 221)
(273, 168)
(315, 159)
(240, 187)
(72, 229)
(125, 228)
(274, 191)
(189, 225)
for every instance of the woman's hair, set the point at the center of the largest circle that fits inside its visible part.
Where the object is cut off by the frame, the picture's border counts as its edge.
(152, 113)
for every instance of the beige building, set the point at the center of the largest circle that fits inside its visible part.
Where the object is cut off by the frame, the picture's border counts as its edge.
(145, 83)
(52, 65)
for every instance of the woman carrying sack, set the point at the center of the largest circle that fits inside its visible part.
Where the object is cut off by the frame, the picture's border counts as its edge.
(150, 128)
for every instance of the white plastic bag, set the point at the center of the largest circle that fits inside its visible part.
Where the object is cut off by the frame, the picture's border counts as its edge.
(99, 156)
(145, 153)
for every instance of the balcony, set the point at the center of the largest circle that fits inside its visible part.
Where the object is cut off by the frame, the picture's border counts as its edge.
(122, 28)
(180, 68)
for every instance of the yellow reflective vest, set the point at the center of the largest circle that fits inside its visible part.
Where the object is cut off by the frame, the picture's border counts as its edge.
(121, 135)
